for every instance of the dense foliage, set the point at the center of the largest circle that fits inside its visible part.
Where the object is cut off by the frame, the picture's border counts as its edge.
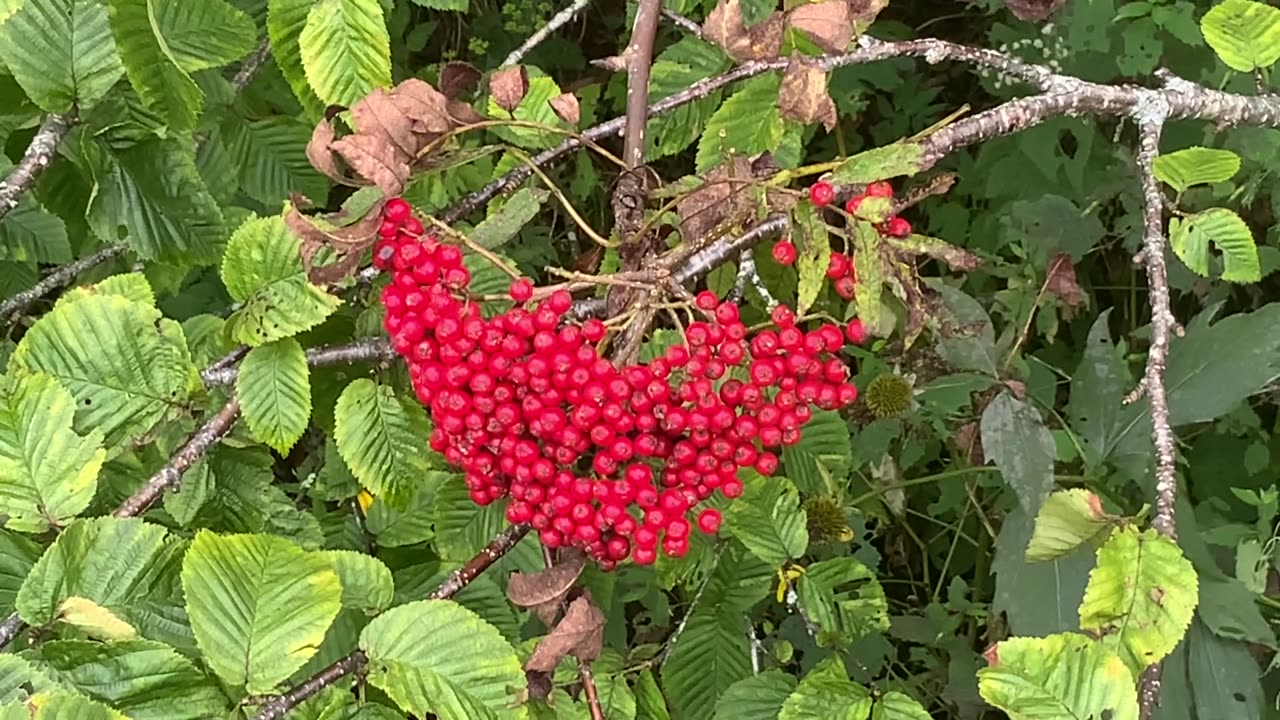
(376, 359)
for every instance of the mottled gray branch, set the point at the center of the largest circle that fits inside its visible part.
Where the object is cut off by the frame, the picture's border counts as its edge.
(555, 23)
(250, 67)
(38, 156)
(368, 349)
(13, 307)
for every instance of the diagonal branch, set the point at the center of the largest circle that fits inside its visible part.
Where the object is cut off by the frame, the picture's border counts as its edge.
(34, 161)
(555, 23)
(376, 348)
(12, 308)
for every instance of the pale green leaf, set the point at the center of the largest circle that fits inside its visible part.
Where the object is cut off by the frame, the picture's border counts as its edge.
(746, 124)
(94, 620)
(19, 678)
(65, 705)
(48, 473)
(151, 65)
(894, 705)
(125, 366)
(758, 697)
(827, 693)
(650, 704)
(263, 271)
(271, 159)
(462, 527)
(434, 656)
(259, 605)
(8, 8)
(814, 254)
(823, 451)
(1196, 166)
(1060, 676)
(1244, 33)
(709, 656)
(904, 157)
(1067, 520)
(285, 22)
(1190, 238)
(131, 286)
(1015, 438)
(144, 679)
(507, 220)
(1140, 597)
(868, 293)
(202, 35)
(346, 50)
(383, 439)
(535, 107)
(769, 521)
(32, 233)
(61, 52)
(366, 582)
(274, 387)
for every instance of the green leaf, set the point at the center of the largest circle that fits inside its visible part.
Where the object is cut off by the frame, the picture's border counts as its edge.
(535, 107)
(769, 521)
(437, 657)
(894, 705)
(814, 255)
(709, 656)
(462, 527)
(48, 473)
(757, 697)
(843, 598)
(203, 35)
(151, 64)
(124, 565)
(346, 50)
(1015, 438)
(448, 5)
(1039, 598)
(682, 64)
(17, 556)
(95, 621)
(904, 157)
(1060, 676)
(827, 693)
(32, 233)
(650, 704)
(1140, 597)
(1224, 677)
(395, 526)
(383, 439)
(823, 451)
(1190, 238)
(61, 52)
(868, 293)
(16, 676)
(64, 705)
(1097, 388)
(274, 387)
(1244, 33)
(747, 123)
(1196, 166)
(366, 582)
(144, 679)
(125, 366)
(131, 286)
(286, 20)
(263, 271)
(259, 605)
(1067, 520)
(271, 159)
(508, 219)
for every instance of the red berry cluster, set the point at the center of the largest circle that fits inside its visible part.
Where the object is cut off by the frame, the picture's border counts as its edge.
(610, 459)
(895, 226)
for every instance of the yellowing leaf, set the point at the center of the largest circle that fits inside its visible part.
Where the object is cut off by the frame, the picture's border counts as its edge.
(97, 621)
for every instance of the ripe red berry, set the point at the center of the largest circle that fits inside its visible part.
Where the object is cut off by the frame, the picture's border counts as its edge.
(709, 521)
(397, 210)
(782, 316)
(521, 290)
(856, 332)
(880, 189)
(851, 206)
(846, 287)
(822, 193)
(838, 267)
(898, 227)
(784, 252)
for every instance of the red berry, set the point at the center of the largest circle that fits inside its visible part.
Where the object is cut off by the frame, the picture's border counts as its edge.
(709, 521)
(838, 267)
(822, 193)
(851, 206)
(898, 227)
(397, 210)
(784, 252)
(782, 316)
(856, 332)
(707, 300)
(880, 189)
(845, 287)
(521, 290)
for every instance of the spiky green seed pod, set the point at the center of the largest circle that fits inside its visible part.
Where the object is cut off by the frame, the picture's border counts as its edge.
(889, 396)
(826, 520)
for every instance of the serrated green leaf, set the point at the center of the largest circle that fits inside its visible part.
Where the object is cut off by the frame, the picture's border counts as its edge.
(1190, 238)
(448, 5)
(814, 254)
(709, 656)
(827, 693)
(263, 271)
(1140, 597)
(1015, 438)
(94, 620)
(843, 598)
(124, 565)
(488, 279)
(904, 157)
(682, 64)
(894, 705)
(769, 521)
(125, 366)
(507, 220)
(271, 159)
(259, 605)
(1060, 676)
(434, 656)
(48, 473)
(409, 525)
(535, 107)
(823, 451)
(17, 675)
(1244, 33)
(17, 556)
(274, 387)
(462, 526)
(1196, 166)
(8, 8)
(147, 680)
(650, 704)
(346, 50)
(61, 52)
(747, 123)
(30, 233)
(151, 65)
(758, 697)
(366, 581)
(64, 705)
(383, 439)
(867, 298)
(1067, 520)
(131, 286)
(286, 20)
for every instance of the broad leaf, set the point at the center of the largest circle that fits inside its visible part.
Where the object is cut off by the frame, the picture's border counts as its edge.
(462, 527)
(32, 233)
(769, 521)
(844, 600)
(61, 52)
(48, 473)
(366, 581)
(709, 656)
(1039, 598)
(274, 387)
(270, 156)
(151, 64)
(868, 297)
(747, 123)
(758, 697)
(346, 50)
(894, 705)
(1060, 676)
(1067, 520)
(65, 705)
(1015, 438)
(814, 255)
(17, 556)
(411, 524)
(508, 219)
(259, 605)
(535, 107)
(1098, 387)
(823, 451)
(1244, 33)
(1140, 597)
(682, 64)
(383, 439)
(263, 271)
(20, 678)
(901, 158)
(827, 693)
(1196, 166)
(202, 35)
(434, 656)
(1190, 238)
(286, 20)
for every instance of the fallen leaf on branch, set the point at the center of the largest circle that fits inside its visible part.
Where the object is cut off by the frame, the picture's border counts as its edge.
(829, 24)
(803, 95)
(508, 87)
(544, 591)
(725, 27)
(580, 633)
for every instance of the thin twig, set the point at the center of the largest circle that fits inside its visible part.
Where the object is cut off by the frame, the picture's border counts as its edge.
(250, 67)
(13, 307)
(555, 23)
(589, 689)
(34, 161)
(365, 350)
(683, 23)
(275, 707)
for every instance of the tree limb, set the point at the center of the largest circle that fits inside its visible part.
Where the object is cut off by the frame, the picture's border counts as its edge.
(13, 307)
(375, 348)
(559, 19)
(38, 156)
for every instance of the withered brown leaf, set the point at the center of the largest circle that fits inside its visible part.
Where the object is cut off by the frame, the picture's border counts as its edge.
(546, 586)
(719, 199)
(803, 95)
(726, 27)
(509, 86)
(321, 155)
(457, 78)
(579, 633)
(374, 158)
(566, 108)
(1034, 10)
(348, 241)
(1061, 280)
(378, 114)
(427, 107)
(829, 23)
(865, 12)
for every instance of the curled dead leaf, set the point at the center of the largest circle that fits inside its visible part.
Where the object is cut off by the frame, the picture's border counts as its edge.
(347, 242)
(458, 78)
(1061, 280)
(722, 197)
(580, 633)
(509, 86)
(1034, 10)
(829, 23)
(726, 27)
(321, 156)
(865, 12)
(566, 108)
(376, 160)
(550, 585)
(803, 95)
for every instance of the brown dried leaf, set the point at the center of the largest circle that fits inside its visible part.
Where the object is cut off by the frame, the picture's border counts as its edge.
(348, 241)
(829, 23)
(508, 87)
(726, 28)
(320, 153)
(378, 114)
(969, 441)
(865, 11)
(530, 589)
(566, 108)
(375, 159)
(717, 201)
(1034, 10)
(579, 633)
(424, 105)
(803, 95)
(462, 113)
(1061, 280)
(458, 77)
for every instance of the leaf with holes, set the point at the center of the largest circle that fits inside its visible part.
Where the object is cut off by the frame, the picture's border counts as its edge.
(1244, 33)
(1196, 166)
(383, 439)
(1060, 676)
(346, 51)
(61, 52)
(274, 387)
(1190, 238)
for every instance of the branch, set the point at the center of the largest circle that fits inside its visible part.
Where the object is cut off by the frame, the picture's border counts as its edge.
(375, 348)
(34, 161)
(639, 59)
(12, 308)
(275, 707)
(250, 67)
(12, 626)
(559, 19)
(747, 273)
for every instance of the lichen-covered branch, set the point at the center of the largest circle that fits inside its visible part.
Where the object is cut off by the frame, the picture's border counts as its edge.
(555, 23)
(13, 307)
(39, 155)
(366, 350)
